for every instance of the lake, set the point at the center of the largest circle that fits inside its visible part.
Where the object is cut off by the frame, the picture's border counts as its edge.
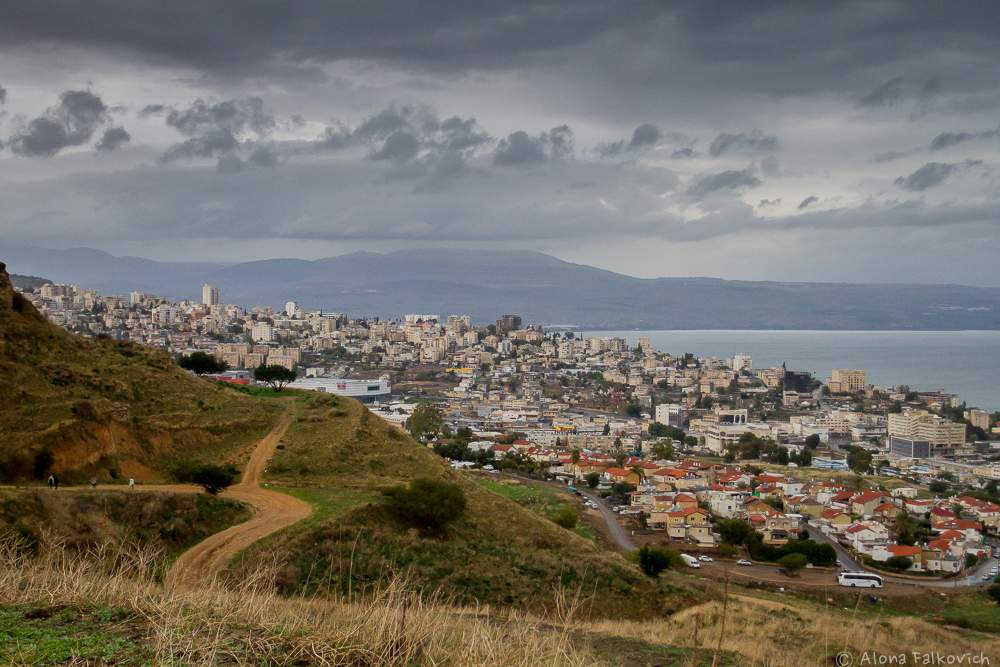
(963, 362)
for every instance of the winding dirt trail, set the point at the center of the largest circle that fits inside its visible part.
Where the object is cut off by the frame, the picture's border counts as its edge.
(274, 511)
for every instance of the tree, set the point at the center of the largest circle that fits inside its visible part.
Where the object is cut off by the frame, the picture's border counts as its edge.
(274, 376)
(899, 563)
(938, 486)
(575, 456)
(653, 560)
(663, 449)
(428, 505)
(812, 440)
(212, 478)
(201, 363)
(566, 517)
(994, 592)
(793, 562)
(425, 422)
(859, 459)
(691, 441)
(593, 479)
(607, 429)
(734, 531)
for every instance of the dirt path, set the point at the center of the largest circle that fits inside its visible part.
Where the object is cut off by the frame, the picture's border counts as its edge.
(274, 511)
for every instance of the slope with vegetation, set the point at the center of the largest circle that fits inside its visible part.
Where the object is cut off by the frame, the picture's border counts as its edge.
(344, 460)
(80, 408)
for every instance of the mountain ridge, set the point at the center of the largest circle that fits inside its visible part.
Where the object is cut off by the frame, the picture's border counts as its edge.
(542, 288)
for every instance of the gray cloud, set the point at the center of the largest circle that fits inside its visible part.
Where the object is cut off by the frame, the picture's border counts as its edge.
(805, 203)
(519, 148)
(931, 174)
(884, 95)
(215, 128)
(764, 203)
(71, 123)
(754, 141)
(683, 153)
(399, 146)
(949, 139)
(3, 95)
(113, 138)
(726, 180)
(643, 136)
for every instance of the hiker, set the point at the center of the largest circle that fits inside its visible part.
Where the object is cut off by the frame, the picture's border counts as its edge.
(131, 482)
(52, 481)
(55, 481)
(93, 482)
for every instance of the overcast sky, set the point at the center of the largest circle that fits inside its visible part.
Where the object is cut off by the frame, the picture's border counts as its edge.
(760, 140)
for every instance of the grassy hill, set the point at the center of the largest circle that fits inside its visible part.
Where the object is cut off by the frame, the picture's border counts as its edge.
(84, 407)
(340, 457)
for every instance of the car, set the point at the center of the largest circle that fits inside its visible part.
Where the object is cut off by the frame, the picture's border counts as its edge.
(705, 559)
(743, 561)
(987, 577)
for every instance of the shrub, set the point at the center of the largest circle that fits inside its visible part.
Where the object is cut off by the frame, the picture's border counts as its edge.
(899, 563)
(793, 562)
(428, 505)
(994, 592)
(727, 549)
(566, 517)
(85, 410)
(734, 531)
(211, 477)
(43, 464)
(653, 560)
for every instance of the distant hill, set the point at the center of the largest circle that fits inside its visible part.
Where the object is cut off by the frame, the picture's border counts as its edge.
(543, 289)
(28, 283)
(99, 407)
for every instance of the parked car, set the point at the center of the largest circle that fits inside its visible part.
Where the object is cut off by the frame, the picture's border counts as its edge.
(705, 558)
(743, 561)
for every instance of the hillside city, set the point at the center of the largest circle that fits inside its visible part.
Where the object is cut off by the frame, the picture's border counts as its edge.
(677, 443)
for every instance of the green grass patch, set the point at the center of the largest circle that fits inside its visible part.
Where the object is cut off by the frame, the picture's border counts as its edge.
(329, 503)
(540, 500)
(57, 636)
(975, 612)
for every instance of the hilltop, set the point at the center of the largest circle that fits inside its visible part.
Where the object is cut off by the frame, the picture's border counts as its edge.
(543, 289)
(340, 457)
(81, 407)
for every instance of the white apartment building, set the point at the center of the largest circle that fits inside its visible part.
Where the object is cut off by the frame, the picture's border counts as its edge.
(922, 426)
(847, 380)
(262, 332)
(670, 414)
(210, 295)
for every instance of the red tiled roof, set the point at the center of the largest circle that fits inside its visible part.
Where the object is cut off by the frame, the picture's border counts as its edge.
(903, 550)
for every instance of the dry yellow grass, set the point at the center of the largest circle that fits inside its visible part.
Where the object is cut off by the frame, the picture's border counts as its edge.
(770, 633)
(250, 625)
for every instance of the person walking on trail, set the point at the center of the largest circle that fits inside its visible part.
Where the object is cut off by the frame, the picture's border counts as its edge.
(55, 481)
(52, 481)
(93, 482)
(131, 483)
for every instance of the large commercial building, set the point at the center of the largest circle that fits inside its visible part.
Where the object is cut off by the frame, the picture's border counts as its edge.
(671, 414)
(210, 295)
(846, 381)
(918, 426)
(362, 390)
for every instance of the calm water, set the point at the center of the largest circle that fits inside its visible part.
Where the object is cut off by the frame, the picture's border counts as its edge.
(963, 362)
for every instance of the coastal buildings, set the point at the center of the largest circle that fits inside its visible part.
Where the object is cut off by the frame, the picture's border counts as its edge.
(912, 428)
(846, 381)
(210, 295)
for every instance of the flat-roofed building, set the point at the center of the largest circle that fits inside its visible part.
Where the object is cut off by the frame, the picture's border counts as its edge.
(943, 436)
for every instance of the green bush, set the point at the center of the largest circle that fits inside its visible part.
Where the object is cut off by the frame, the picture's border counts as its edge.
(793, 562)
(899, 563)
(653, 560)
(212, 478)
(994, 592)
(566, 517)
(428, 505)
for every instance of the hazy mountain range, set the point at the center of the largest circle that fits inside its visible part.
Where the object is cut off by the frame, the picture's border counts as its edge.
(541, 288)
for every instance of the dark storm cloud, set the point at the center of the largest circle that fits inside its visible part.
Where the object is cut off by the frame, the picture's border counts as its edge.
(71, 123)
(805, 203)
(152, 110)
(519, 148)
(682, 153)
(949, 139)
(764, 203)
(726, 180)
(931, 174)
(754, 141)
(250, 35)
(3, 95)
(263, 156)
(112, 139)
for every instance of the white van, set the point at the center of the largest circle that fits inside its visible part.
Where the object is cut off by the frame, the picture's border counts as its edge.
(859, 580)
(690, 560)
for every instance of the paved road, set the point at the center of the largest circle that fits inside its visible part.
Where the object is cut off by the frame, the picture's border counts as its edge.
(618, 533)
(846, 560)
